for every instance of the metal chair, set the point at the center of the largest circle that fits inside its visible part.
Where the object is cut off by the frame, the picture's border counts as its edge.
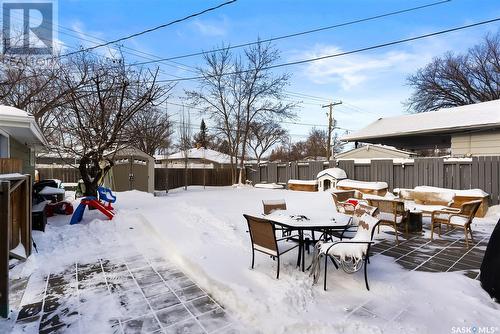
(350, 255)
(263, 238)
(456, 217)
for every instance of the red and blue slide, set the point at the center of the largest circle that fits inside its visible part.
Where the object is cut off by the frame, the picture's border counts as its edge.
(105, 195)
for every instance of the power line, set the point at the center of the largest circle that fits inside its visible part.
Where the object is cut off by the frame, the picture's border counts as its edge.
(305, 32)
(152, 29)
(373, 47)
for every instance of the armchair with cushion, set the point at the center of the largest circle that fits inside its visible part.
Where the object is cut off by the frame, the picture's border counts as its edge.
(391, 213)
(456, 217)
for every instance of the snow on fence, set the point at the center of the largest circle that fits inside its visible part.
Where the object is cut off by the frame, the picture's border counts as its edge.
(472, 173)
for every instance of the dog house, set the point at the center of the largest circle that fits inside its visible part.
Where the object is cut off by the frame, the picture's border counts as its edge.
(327, 179)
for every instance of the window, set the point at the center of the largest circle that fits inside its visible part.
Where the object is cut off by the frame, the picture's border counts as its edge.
(4, 146)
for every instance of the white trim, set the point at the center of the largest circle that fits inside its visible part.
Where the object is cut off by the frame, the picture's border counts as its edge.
(266, 250)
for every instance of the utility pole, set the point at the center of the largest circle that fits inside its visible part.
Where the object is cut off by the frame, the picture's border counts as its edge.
(330, 128)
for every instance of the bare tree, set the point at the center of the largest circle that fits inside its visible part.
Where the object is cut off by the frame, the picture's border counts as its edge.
(455, 80)
(313, 147)
(237, 91)
(263, 91)
(150, 130)
(94, 119)
(185, 142)
(263, 136)
(219, 94)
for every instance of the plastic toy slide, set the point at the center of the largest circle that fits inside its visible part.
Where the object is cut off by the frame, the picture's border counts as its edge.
(105, 195)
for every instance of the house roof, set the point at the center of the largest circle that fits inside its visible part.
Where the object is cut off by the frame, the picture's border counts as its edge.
(478, 116)
(198, 153)
(390, 150)
(21, 126)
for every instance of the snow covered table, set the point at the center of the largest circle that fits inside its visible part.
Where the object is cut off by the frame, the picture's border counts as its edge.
(300, 223)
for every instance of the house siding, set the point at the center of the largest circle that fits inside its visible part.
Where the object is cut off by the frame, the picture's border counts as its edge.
(476, 144)
(22, 152)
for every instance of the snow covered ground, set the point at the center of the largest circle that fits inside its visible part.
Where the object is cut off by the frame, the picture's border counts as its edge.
(203, 232)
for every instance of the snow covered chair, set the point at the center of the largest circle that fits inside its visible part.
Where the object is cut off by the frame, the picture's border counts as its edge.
(272, 205)
(263, 238)
(350, 255)
(455, 217)
(391, 213)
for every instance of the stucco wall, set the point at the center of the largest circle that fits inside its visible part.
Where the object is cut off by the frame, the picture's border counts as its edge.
(476, 144)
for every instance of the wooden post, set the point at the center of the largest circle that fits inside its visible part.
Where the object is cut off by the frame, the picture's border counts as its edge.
(4, 247)
(27, 219)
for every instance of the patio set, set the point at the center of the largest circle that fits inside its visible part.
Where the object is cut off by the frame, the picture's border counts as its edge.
(345, 236)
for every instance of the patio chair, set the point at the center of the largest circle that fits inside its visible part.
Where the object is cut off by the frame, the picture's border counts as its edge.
(391, 213)
(340, 199)
(273, 205)
(263, 238)
(456, 217)
(350, 255)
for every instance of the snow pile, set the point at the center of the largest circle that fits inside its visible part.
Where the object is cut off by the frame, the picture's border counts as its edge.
(268, 186)
(204, 232)
(362, 184)
(304, 182)
(468, 192)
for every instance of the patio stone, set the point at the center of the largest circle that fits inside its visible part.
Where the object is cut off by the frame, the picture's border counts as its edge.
(60, 302)
(214, 320)
(190, 293)
(148, 279)
(134, 310)
(201, 305)
(179, 283)
(172, 315)
(155, 289)
(144, 324)
(29, 311)
(162, 301)
(190, 326)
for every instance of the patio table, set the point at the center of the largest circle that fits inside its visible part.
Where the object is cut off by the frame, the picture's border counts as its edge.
(314, 222)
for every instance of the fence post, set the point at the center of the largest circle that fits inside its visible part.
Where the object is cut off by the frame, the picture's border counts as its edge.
(4, 247)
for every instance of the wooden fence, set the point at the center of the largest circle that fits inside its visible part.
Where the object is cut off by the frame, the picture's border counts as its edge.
(15, 227)
(213, 177)
(65, 174)
(174, 178)
(477, 172)
(8, 165)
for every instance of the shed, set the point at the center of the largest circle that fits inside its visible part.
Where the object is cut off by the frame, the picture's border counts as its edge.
(133, 170)
(327, 179)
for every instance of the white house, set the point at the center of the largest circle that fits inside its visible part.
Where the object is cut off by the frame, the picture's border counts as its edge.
(20, 136)
(328, 178)
(470, 130)
(198, 158)
(375, 151)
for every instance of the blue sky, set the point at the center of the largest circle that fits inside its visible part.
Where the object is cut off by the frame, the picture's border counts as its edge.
(371, 84)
